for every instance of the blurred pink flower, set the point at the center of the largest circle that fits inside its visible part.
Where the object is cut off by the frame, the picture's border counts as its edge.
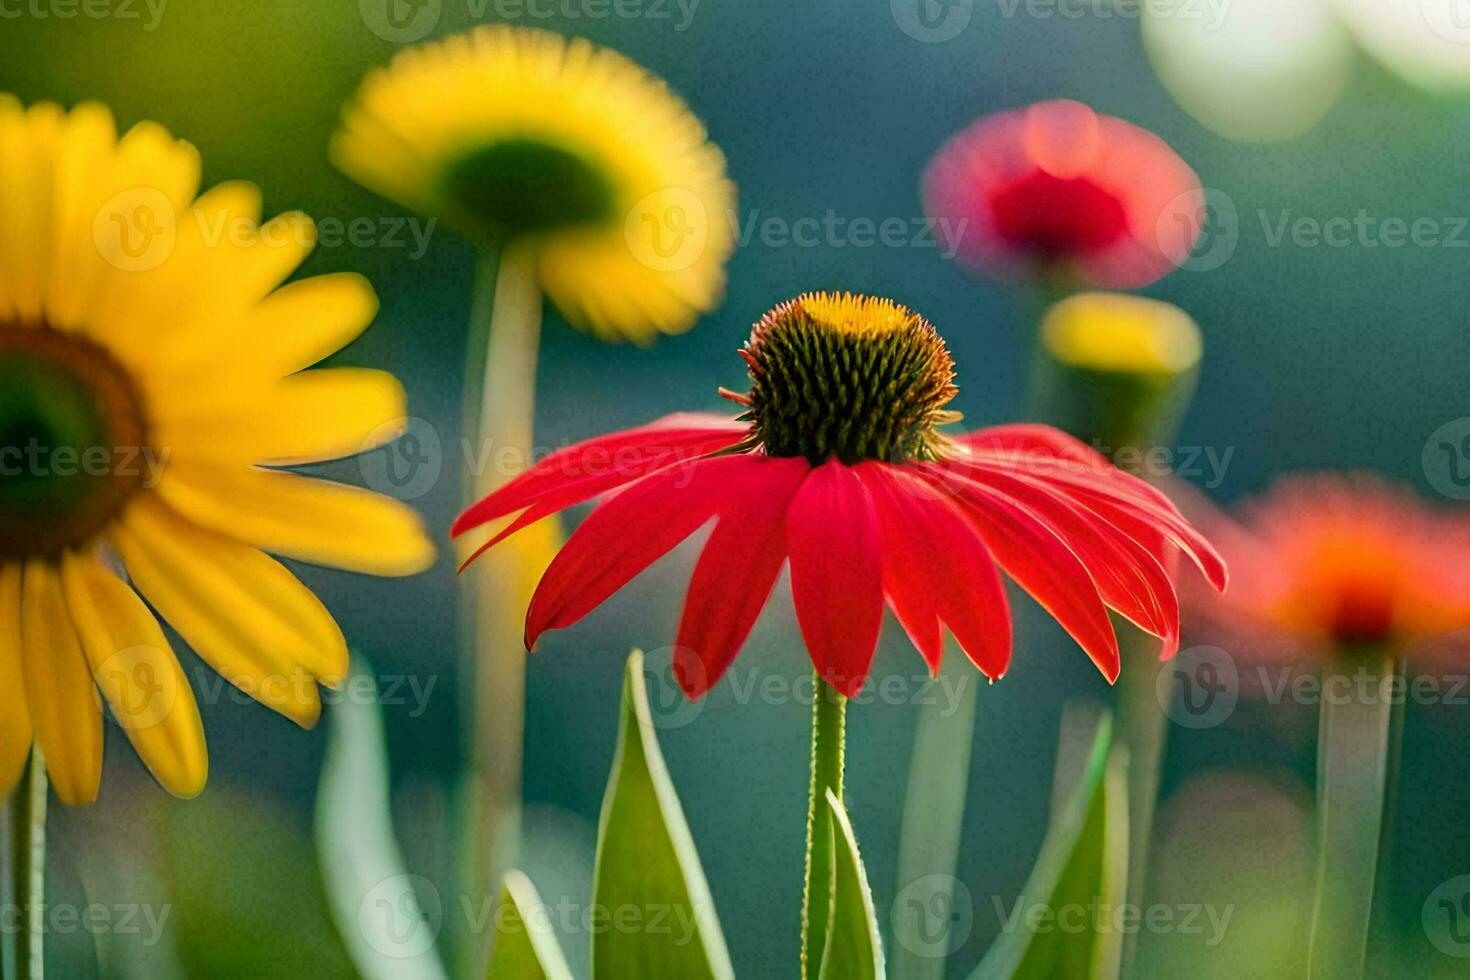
(1054, 189)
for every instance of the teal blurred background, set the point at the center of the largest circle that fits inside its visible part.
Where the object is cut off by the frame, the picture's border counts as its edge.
(1316, 357)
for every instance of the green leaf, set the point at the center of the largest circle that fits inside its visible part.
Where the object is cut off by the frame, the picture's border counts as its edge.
(853, 950)
(933, 817)
(244, 888)
(1053, 930)
(658, 919)
(388, 918)
(525, 943)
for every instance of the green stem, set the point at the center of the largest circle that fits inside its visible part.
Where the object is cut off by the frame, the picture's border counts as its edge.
(26, 869)
(505, 328)
(1142, 727)
(829, 722)
(1352, 765)
(1383, 890)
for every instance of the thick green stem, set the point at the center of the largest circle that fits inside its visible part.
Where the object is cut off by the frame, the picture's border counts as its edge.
(1352, 767)
(829, 721)
(1383, 895)
(25, 866)
(1142, 727)
(505, 329)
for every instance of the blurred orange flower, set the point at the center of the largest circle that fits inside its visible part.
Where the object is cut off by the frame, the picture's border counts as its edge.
(1341, 563)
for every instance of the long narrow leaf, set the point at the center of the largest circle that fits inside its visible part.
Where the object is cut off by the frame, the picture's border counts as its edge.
(853, 950)
(649, 883)
(373, 898)
(525, 943)
(933, 817)
(1055, 929)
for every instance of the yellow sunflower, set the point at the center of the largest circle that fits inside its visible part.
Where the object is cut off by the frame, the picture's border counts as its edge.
(512, 133)
(148, 367)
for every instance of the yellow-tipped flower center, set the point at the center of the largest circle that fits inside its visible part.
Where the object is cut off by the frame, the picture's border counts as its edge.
(847, 376)
(72, 440)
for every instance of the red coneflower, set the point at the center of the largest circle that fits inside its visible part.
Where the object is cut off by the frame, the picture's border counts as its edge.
(838, 466)
(1056, 189)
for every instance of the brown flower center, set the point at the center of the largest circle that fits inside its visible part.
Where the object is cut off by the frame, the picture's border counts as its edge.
(73, 441)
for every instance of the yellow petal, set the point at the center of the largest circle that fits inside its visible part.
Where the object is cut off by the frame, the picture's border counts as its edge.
(25, 204)
(63, 701)
(218, 268)
(84, 152)
(243, 612)
(118, 215)
(15, 717)
(307, 418)
(289, 330)
(299, 517)
(138, 674)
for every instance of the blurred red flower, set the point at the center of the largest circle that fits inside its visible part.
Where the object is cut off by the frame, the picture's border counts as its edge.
(1056, 190)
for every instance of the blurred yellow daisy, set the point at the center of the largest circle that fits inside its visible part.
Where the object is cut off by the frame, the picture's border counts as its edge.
(513, 133)
(148, 367)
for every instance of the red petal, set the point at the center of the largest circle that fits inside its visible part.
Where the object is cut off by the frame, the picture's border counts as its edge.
(587, 469)
(625, 535)
(1140, 503)
(1069, 469)
(836, 574)
(936, 567)
(1032, 438)
(1130, 579)
(1043, 565)
(1145, 524)
(905, 568)
(736, 572)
